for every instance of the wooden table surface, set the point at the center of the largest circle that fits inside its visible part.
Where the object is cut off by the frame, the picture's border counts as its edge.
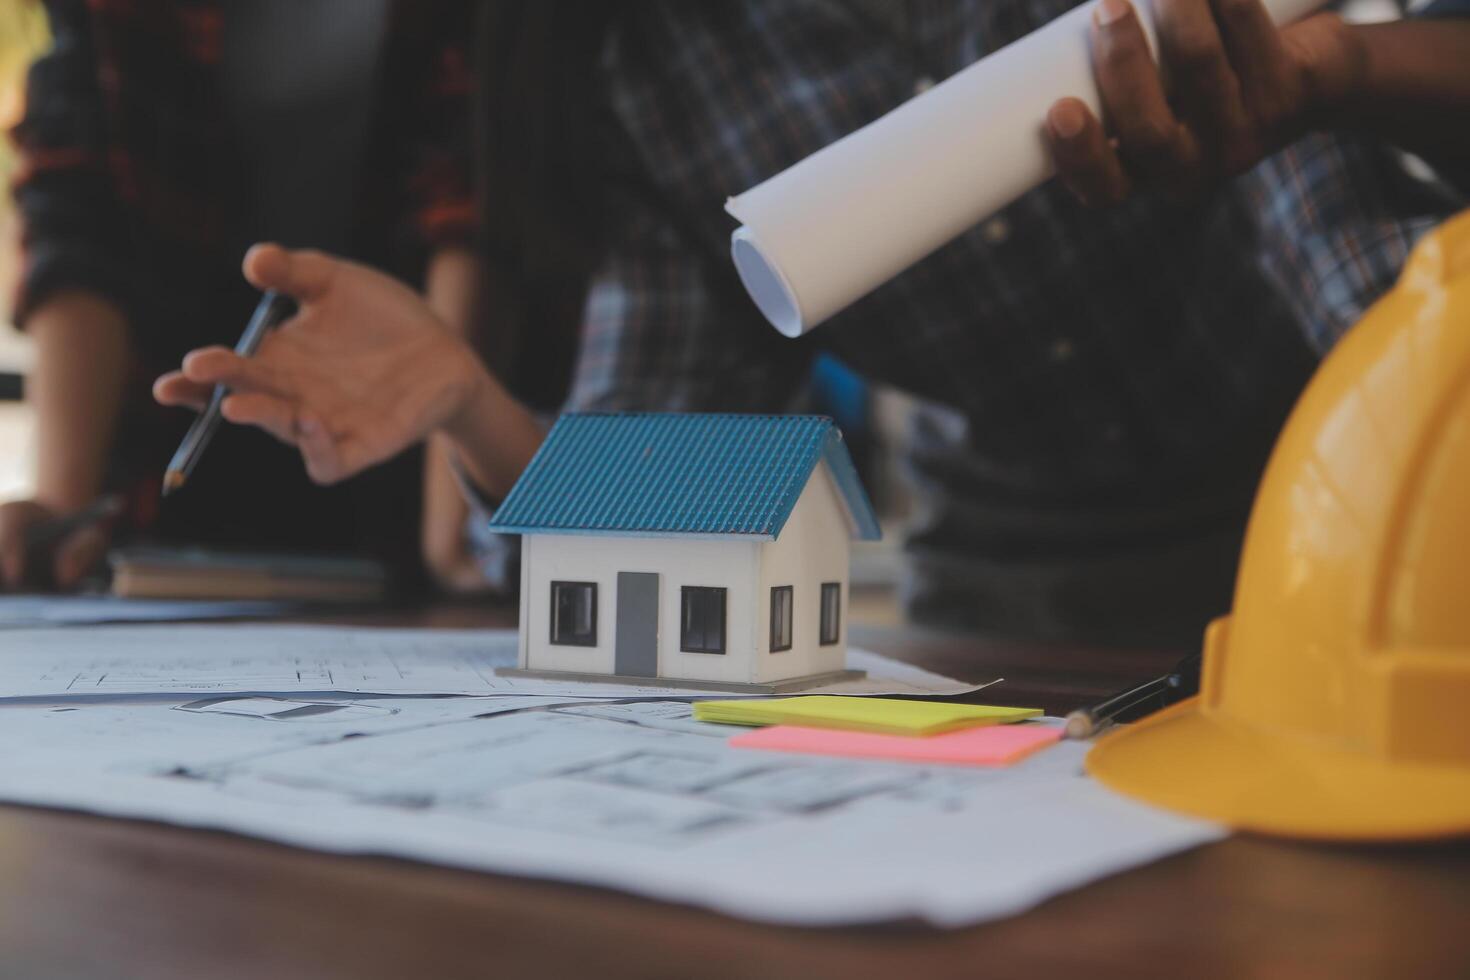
(90, 897)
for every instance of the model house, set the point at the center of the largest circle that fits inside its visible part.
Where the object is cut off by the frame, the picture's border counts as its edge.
(703, 550)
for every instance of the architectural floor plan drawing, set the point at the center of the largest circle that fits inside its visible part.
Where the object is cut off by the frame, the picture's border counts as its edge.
(632, 796)
(106, 661)
(568, 772)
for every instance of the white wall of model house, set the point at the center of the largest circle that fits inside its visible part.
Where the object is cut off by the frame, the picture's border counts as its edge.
(813, 548)
(726, 563)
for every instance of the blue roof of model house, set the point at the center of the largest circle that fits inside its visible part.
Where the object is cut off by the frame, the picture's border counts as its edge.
(668, 474)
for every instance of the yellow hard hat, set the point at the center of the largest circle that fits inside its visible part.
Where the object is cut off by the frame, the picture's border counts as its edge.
(1335, 700)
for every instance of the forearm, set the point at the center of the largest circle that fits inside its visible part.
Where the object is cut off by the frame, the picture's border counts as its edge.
(76, 390)
(493, 436)
(451, 288)
(1413, 87)
(451, 292)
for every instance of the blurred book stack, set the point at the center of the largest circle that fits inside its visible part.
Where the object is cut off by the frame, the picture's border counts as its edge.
(186, 573)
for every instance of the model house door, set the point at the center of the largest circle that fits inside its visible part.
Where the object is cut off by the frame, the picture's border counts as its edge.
(636, 645)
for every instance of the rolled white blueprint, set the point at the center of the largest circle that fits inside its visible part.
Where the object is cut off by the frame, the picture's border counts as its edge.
(829, 230)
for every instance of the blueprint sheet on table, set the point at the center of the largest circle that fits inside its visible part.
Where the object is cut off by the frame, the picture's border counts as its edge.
(634, 796)
(20, 611)
(102, 661)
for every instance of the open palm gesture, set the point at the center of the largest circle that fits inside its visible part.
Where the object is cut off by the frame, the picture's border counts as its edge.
(361, 372)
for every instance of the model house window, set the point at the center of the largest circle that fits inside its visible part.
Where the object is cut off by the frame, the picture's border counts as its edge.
(574, 614)
(702, 620)
(780, 618)
(831, 612)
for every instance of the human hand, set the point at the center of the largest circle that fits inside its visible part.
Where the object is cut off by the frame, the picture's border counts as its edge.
(1240, 88)
(361, 372)
(28, 564)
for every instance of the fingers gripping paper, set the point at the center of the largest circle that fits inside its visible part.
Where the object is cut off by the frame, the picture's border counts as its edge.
(824, 233)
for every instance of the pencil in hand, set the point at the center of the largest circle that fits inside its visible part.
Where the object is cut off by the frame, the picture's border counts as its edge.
(270, 312)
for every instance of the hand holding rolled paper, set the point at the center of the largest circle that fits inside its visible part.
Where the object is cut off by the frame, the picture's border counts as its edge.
(1240, 89)
(829, 230)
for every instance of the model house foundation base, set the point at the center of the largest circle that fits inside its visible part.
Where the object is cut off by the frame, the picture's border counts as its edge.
(771, 687)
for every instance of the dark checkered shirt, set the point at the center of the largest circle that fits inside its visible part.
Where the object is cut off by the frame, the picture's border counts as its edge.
(1113, 379)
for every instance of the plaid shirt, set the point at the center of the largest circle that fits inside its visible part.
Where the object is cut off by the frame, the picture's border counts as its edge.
(1117, 376)
(131, 183)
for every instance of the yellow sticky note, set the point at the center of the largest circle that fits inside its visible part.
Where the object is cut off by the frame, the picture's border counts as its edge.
(885, 715)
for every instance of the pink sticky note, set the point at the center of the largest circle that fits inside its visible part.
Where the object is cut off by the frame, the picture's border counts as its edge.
(996, 745)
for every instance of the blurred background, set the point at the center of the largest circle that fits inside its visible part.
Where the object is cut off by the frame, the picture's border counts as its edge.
(22, 36)
(875, 420)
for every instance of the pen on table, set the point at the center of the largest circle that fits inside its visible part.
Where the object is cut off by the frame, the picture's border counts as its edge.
(1180, 682)
(269, 312)
(47, 533)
